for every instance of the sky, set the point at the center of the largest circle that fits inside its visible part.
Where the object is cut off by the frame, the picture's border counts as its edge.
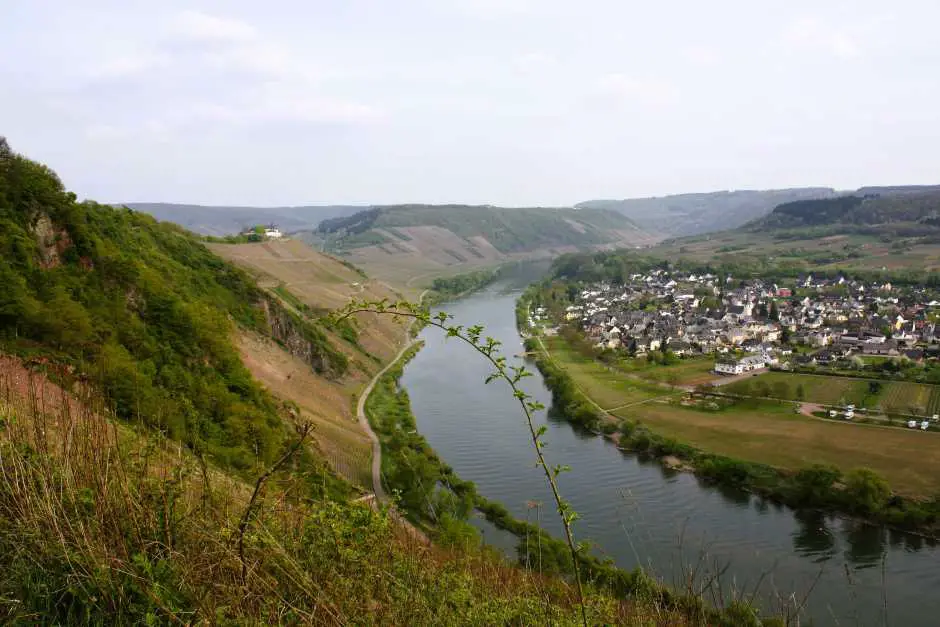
(509, 102)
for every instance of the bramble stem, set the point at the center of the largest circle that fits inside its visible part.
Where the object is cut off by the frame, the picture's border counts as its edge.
(512, 375)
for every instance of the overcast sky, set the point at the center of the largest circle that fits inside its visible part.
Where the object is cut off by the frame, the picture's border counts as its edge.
(484, 101)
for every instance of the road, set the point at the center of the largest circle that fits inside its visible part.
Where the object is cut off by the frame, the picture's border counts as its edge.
(377, 488)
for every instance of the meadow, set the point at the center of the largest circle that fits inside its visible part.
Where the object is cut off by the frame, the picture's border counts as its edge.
(768, 431)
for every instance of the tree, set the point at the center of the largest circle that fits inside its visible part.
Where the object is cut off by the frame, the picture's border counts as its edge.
(814, 484)
(774, 312)
(800, 392)
(866, 490)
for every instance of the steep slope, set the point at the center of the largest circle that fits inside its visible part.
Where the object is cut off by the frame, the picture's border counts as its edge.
(227, 220)
(405, 242)
(147, 478)
(316, 282)
(691, 214)
(143, 311)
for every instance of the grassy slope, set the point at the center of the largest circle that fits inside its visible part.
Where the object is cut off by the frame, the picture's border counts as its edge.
(320, 282)
(104, 522)
(769, 433)
(111, 525)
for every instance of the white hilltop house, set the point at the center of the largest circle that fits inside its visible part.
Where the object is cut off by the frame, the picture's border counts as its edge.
(272, 232)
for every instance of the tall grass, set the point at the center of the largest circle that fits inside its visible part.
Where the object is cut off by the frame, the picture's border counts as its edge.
(101, 523)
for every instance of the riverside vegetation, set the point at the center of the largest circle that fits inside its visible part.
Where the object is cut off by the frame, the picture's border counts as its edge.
(434, 497)
(145, 477)
(858, 492)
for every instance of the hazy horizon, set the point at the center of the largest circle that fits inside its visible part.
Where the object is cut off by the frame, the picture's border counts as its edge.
(499, 102)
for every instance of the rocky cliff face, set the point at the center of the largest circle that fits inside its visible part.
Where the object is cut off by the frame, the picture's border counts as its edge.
(302, 339)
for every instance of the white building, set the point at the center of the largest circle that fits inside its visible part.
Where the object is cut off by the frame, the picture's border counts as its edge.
(273, 233)
(740, 366)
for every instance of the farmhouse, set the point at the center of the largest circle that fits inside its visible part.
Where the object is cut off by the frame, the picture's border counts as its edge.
(740, 366)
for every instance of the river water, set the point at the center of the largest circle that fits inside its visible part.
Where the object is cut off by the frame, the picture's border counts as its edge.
(639, 514)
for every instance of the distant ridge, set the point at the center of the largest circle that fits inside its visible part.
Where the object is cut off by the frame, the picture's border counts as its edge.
(226, 219)
(691, 214)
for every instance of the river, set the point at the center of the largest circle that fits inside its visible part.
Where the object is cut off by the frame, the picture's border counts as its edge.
(638, 513)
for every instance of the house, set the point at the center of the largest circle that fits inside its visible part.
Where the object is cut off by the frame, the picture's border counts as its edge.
(740, 366)
(888, 347)
(272, 232)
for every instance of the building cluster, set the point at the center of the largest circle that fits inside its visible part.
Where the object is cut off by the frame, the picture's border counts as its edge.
(754, 323)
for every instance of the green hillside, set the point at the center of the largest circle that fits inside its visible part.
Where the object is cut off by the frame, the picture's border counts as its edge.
(144, 311)
(147, 478)
(509, 230)
(872, 209)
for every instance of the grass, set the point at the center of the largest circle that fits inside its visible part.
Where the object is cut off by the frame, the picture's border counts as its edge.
(689, 371)
(101, 524)
(816, 389)
(605, 385)
(772, 434)
(917, 398)
(904, 397)
(769, 432)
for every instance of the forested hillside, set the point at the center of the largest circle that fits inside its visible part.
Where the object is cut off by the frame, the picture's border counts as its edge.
(143, 311)
(691, 214)
(871, 209)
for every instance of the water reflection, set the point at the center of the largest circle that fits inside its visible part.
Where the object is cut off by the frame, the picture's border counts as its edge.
(813, 537)
(866, 543)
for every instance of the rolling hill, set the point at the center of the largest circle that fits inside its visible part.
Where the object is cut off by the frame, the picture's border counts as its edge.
(872, 208)
(691, 214)
(891, 228)
(404, 242)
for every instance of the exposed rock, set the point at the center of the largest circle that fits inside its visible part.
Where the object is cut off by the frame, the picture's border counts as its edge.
(290, 332)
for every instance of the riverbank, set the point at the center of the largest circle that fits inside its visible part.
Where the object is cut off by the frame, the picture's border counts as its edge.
(858, 492)
(436, 499)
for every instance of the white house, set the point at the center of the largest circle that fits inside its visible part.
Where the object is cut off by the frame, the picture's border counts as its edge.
(740, 366)
(273, 233)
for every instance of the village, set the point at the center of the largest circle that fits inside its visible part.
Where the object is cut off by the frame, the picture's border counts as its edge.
(752, 324)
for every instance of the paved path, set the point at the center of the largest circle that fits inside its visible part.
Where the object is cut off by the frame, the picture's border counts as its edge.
(380, 494)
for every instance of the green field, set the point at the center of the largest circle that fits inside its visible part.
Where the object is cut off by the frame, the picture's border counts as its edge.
(608, 387)
(902, 397)
(769, 432)
(816, 389)
(914, 398)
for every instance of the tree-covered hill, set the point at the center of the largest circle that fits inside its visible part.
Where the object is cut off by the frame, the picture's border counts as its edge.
(895, 205)
(144, 312)
(690, 214)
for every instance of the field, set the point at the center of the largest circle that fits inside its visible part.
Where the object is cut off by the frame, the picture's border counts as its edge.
(692, 371)
(916, 398)
(816, 389)
(835, 251)
(607, 387)
(769, 432)
(902, 397)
